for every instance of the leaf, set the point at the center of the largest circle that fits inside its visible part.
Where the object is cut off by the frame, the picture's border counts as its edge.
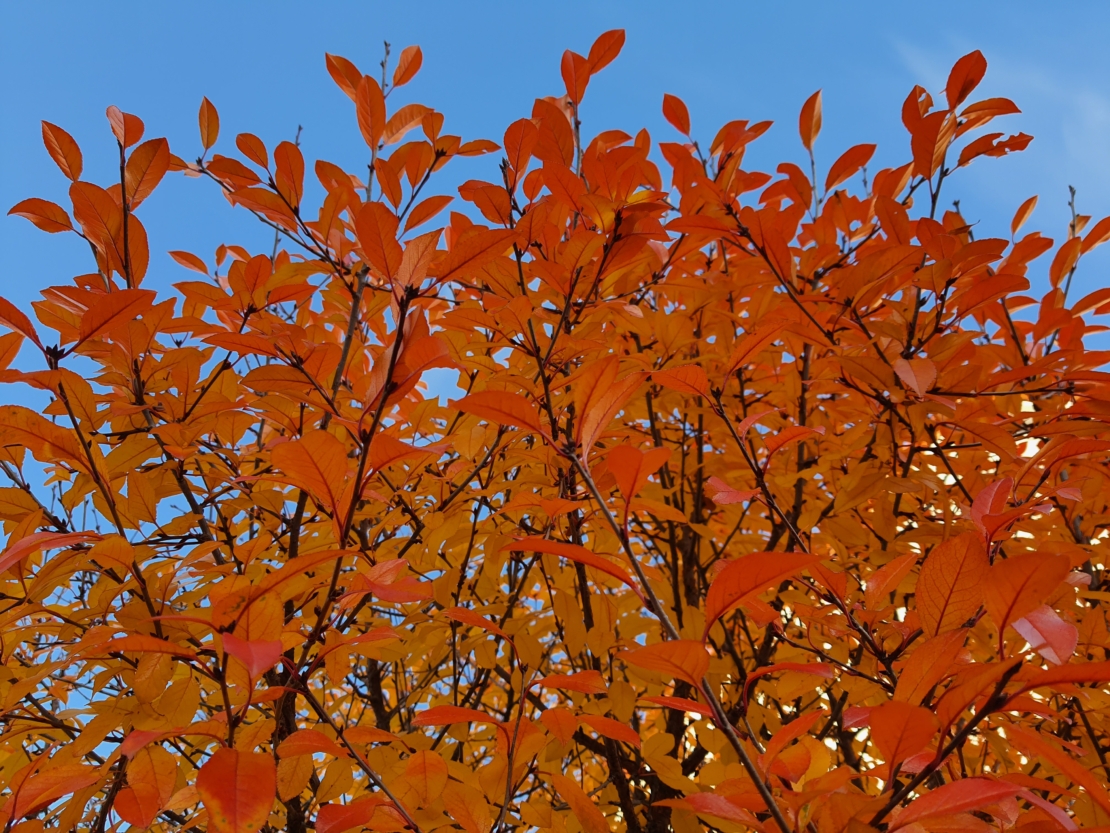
(190, 261)
(152, 781)
(106, 314)
(36, 541)
(408, 64)
(575, 553)
(930, 662)
(469, 617)
(501, 407)
(47, 786)
(687, 379)
(145, 169)
(675, 112)
(308, 742)
(964, 78)
(1022, 214)
(426, 210)
(901, 730)
(747, 576)
(576, 75)
(46, 215)
(586, 682)
(376, 228)
(473, 252)
(583, 807)
(369, 810)
(127, 129)
(950, 587)
(632, 467)
(919, 375)
(467, 807)
(258, 656)
(605, 50)
(680, 659)
(426, 776)
(209, 121)
(316, 463)
(63, 150)
(449, 715)
(1019, 584)
(237, 789)
(370, 109)
(849, 162)
(1048, 634)
(1036, 746)
(957, 797)
(609, 728)
(724, 495)
(809, 121)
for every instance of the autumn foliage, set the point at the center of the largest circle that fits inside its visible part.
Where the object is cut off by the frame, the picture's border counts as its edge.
(769, 501)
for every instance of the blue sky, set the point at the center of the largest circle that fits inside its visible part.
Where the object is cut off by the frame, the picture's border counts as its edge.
(262, 65)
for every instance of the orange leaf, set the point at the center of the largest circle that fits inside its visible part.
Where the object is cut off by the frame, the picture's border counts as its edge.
(469, 617)
(680, 659)
(575, 553)
(930, 662)
(950, 588)
(111, 310)
(1035, 745)
(957, 797)
(501, 407)
(965, 77)
(474, 251)
(583, 807)
(609, 728)
(809, 120)
(633, 467)
(426, 775)
(127, 129)
(1017, 585)
(901, 730)
(258, 656)
(37, 541)
(408, 64)
(576, 75)
(849, 162)
(209, 121)
(449, 715)
(316, 463)
(145, 169)
(46, 215)
(919, 375)
(749, 575)
(605, 49)
(426, 210)
(686, 379)
(674, 111)
(237, 789)
(370, 109)
(587, 682)
(309, 742)
(62, 149)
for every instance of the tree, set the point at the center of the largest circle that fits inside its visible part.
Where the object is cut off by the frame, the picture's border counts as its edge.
(760, 508)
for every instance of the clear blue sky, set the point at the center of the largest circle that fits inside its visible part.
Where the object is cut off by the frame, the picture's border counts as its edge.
(262, 65)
